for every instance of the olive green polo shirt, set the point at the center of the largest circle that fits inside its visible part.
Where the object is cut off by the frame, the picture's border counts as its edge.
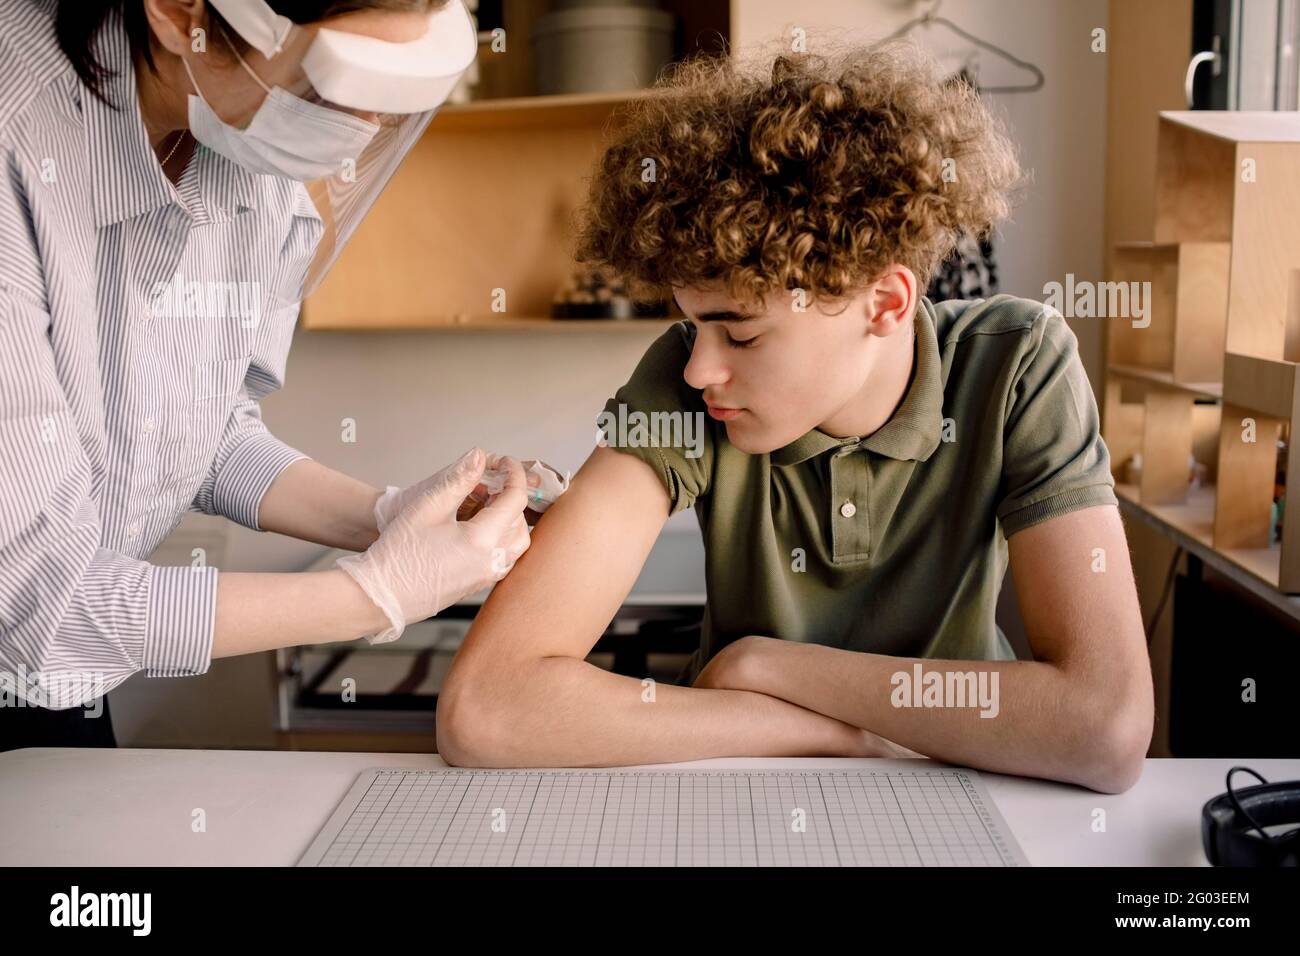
(893, 542)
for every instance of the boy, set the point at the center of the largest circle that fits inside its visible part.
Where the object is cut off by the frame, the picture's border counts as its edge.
(871, 459)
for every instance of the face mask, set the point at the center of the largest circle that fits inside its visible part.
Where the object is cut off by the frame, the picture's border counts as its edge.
(287, 137)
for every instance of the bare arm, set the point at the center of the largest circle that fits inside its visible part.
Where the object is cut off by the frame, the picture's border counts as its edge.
(260, 612)
(520, 692)
(311, 502)
(1081, 711)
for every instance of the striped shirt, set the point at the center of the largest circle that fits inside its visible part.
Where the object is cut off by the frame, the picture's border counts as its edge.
(138, 331)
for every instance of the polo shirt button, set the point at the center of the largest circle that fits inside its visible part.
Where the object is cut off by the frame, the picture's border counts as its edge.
(848, 509)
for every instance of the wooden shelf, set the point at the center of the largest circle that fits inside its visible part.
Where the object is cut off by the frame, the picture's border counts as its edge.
(1230, 177)
(469, 217)
(1261, 385)
(1195, 519)
(1166, 380)
(532, 112)
(1184, 327)
(1166, 426)
(481, 214)
(498, 323)
(1264, 391)
(1224, 270)
(1240, 126)
(1189, 525)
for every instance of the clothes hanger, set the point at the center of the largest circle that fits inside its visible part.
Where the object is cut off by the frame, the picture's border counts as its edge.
(931, 17)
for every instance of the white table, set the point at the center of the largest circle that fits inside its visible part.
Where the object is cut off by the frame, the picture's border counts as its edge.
(88, 807)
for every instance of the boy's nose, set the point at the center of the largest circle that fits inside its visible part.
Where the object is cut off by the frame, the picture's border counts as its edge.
(705, 367)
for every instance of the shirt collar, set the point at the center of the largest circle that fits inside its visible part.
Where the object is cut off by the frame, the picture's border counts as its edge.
(915, 429)
(119, 144)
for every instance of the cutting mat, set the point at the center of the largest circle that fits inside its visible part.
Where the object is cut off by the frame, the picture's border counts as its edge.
(464, 817)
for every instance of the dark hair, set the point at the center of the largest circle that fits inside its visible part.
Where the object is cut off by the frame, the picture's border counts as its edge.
(77, 23)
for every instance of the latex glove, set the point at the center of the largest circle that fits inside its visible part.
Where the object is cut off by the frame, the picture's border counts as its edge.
(545, 485)
(425, 560)
(394, 499)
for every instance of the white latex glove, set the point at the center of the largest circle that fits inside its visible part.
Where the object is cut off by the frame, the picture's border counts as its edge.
(394, 499)
(425, 560)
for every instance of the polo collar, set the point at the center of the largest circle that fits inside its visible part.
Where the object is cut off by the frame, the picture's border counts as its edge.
(133, 182)
(915, 429)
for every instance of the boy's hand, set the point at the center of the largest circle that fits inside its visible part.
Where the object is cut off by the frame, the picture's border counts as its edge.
(753, 664)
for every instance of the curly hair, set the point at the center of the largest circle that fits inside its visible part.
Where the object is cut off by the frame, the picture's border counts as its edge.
(815, 173)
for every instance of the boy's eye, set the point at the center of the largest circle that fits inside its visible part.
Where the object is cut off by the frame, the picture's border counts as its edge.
(741, 343)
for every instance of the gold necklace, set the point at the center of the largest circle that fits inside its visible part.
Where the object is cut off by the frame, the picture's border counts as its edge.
(176, 146)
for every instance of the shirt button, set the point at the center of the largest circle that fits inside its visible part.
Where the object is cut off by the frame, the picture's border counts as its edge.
(148, 425)
(133, 532)
(848, 509)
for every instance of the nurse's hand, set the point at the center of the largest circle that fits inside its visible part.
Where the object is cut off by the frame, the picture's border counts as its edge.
(394, 499)
(425, 559)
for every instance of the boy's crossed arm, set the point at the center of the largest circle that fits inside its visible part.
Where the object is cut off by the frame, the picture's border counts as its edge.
(1081, 711)
(520, 692)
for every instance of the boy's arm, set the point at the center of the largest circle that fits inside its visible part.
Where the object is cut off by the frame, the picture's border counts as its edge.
(521, 694)
(1081, 711)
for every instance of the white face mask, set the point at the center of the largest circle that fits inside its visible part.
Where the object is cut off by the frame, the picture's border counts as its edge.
(287, 136)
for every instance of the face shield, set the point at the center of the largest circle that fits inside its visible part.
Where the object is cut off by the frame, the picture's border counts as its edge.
(397, 85)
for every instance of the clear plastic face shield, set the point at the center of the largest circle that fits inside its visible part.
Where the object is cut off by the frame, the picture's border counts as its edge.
(365, 81)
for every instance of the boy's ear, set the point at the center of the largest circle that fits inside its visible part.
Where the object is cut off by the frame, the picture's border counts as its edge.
(892, 299)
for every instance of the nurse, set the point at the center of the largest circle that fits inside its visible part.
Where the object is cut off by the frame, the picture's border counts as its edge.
(157, 235)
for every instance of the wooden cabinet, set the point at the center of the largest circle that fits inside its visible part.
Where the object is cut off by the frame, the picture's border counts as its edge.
(1215, 368)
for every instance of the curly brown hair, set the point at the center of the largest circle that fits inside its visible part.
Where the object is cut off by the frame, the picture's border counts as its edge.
(815, 173)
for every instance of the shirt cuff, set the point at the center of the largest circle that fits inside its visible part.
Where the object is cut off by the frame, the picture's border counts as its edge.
(1058, 504)
(182, 617)
(247, 474)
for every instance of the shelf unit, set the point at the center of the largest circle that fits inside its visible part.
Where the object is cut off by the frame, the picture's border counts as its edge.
(1215, 365)
(1188, 280)
(506, 323)
(483, 206)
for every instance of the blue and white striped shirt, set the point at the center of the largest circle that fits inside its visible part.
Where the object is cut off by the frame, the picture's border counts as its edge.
(138, 330)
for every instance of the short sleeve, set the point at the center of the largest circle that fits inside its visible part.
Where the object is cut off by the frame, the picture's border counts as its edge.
(1053, 458)
(660, 419)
